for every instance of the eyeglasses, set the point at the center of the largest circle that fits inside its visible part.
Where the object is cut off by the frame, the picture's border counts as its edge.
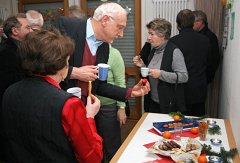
(36, 29)
(120, 27)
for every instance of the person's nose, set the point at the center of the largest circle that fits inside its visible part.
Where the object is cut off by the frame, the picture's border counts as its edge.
(149, 37)
(120, 34)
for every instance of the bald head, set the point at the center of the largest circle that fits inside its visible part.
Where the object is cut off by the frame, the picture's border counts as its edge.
(35, 19)
(110, 9)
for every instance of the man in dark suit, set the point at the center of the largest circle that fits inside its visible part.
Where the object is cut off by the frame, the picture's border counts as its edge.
(15, 28)
(92, 38)
(201, 26)
(196, 49)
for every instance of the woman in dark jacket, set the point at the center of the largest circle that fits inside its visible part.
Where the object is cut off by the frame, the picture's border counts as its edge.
(167, 66)
(41, 122)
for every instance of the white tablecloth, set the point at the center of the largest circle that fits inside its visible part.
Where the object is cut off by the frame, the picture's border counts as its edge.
(135, 152)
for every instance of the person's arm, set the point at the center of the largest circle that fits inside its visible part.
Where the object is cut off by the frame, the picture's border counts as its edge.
(178, 66)
(213, 57)
(118, 71)
(145, 51)
(81, 131)
(119, 93)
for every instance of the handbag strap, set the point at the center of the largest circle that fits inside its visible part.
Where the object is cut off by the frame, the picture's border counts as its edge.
(175, 88)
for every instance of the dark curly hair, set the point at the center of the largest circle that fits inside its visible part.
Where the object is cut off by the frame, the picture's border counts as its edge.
(44, 52)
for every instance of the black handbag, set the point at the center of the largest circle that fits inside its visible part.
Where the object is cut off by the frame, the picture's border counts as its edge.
(173, 103)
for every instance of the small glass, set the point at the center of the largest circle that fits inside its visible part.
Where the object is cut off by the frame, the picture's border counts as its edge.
(216, 141)
(203, 129)
(211, 123)
(178, 127)
(215, 159)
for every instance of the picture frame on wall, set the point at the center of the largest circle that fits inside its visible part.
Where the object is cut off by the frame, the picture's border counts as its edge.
(50, 9)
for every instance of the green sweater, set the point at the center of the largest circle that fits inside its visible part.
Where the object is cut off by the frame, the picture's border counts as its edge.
(116, 75)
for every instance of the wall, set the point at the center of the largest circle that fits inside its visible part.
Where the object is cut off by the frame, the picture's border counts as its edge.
(11, 6)
(149, 12)
(74, 2)
(230, 80)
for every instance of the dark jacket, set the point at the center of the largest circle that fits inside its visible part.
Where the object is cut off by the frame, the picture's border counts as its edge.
(33, 129)
(196, 51)
(215, 55)
(8, 72)
(76, 29)
(166, 91)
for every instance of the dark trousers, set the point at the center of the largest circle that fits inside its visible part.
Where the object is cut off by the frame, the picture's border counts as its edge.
(109, 129)
(197, 109)
(153, 106)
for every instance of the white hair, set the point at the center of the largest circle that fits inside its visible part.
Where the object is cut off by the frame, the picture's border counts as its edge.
(34, 20)
(76, 11)
(111, 9)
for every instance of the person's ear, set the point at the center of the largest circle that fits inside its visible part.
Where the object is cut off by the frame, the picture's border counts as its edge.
(105, 19)
(15, 31)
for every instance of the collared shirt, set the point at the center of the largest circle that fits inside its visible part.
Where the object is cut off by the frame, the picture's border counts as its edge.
(81, 131)
(93, 43)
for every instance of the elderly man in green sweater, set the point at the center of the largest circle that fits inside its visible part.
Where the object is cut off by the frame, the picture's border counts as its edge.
(112, 113)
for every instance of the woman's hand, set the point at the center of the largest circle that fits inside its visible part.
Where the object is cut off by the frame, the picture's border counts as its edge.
(154, 73)
(137, 60)
(93, 106)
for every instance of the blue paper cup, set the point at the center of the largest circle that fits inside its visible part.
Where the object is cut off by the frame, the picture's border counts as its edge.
(103, 71)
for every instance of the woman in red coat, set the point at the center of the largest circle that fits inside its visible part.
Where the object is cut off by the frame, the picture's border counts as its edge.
(41, 122)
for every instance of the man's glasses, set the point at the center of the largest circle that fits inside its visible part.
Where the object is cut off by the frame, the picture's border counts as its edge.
(120, 27)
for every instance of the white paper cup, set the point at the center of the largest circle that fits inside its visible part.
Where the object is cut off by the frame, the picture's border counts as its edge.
(76, 91)
(103, 71)
(144, 71)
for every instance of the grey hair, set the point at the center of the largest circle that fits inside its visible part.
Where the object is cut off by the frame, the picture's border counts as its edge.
(200, 15)
(76, 11)
(34, 21)
(110, 9)
(161, 27)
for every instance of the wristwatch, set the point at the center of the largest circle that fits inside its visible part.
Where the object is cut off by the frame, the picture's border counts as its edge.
(121, 107)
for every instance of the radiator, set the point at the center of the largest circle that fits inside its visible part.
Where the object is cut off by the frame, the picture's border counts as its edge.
(168, 9)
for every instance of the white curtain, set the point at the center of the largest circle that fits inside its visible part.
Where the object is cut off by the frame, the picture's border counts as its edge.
(3, 13)
(214, 12)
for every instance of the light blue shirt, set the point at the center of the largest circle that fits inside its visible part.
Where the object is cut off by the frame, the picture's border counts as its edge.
(92, 42)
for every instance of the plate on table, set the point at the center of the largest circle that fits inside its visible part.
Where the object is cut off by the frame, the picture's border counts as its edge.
(183, 150)
(188, 123)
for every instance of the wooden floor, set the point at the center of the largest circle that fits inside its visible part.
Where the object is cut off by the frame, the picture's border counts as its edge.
(127, 128)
